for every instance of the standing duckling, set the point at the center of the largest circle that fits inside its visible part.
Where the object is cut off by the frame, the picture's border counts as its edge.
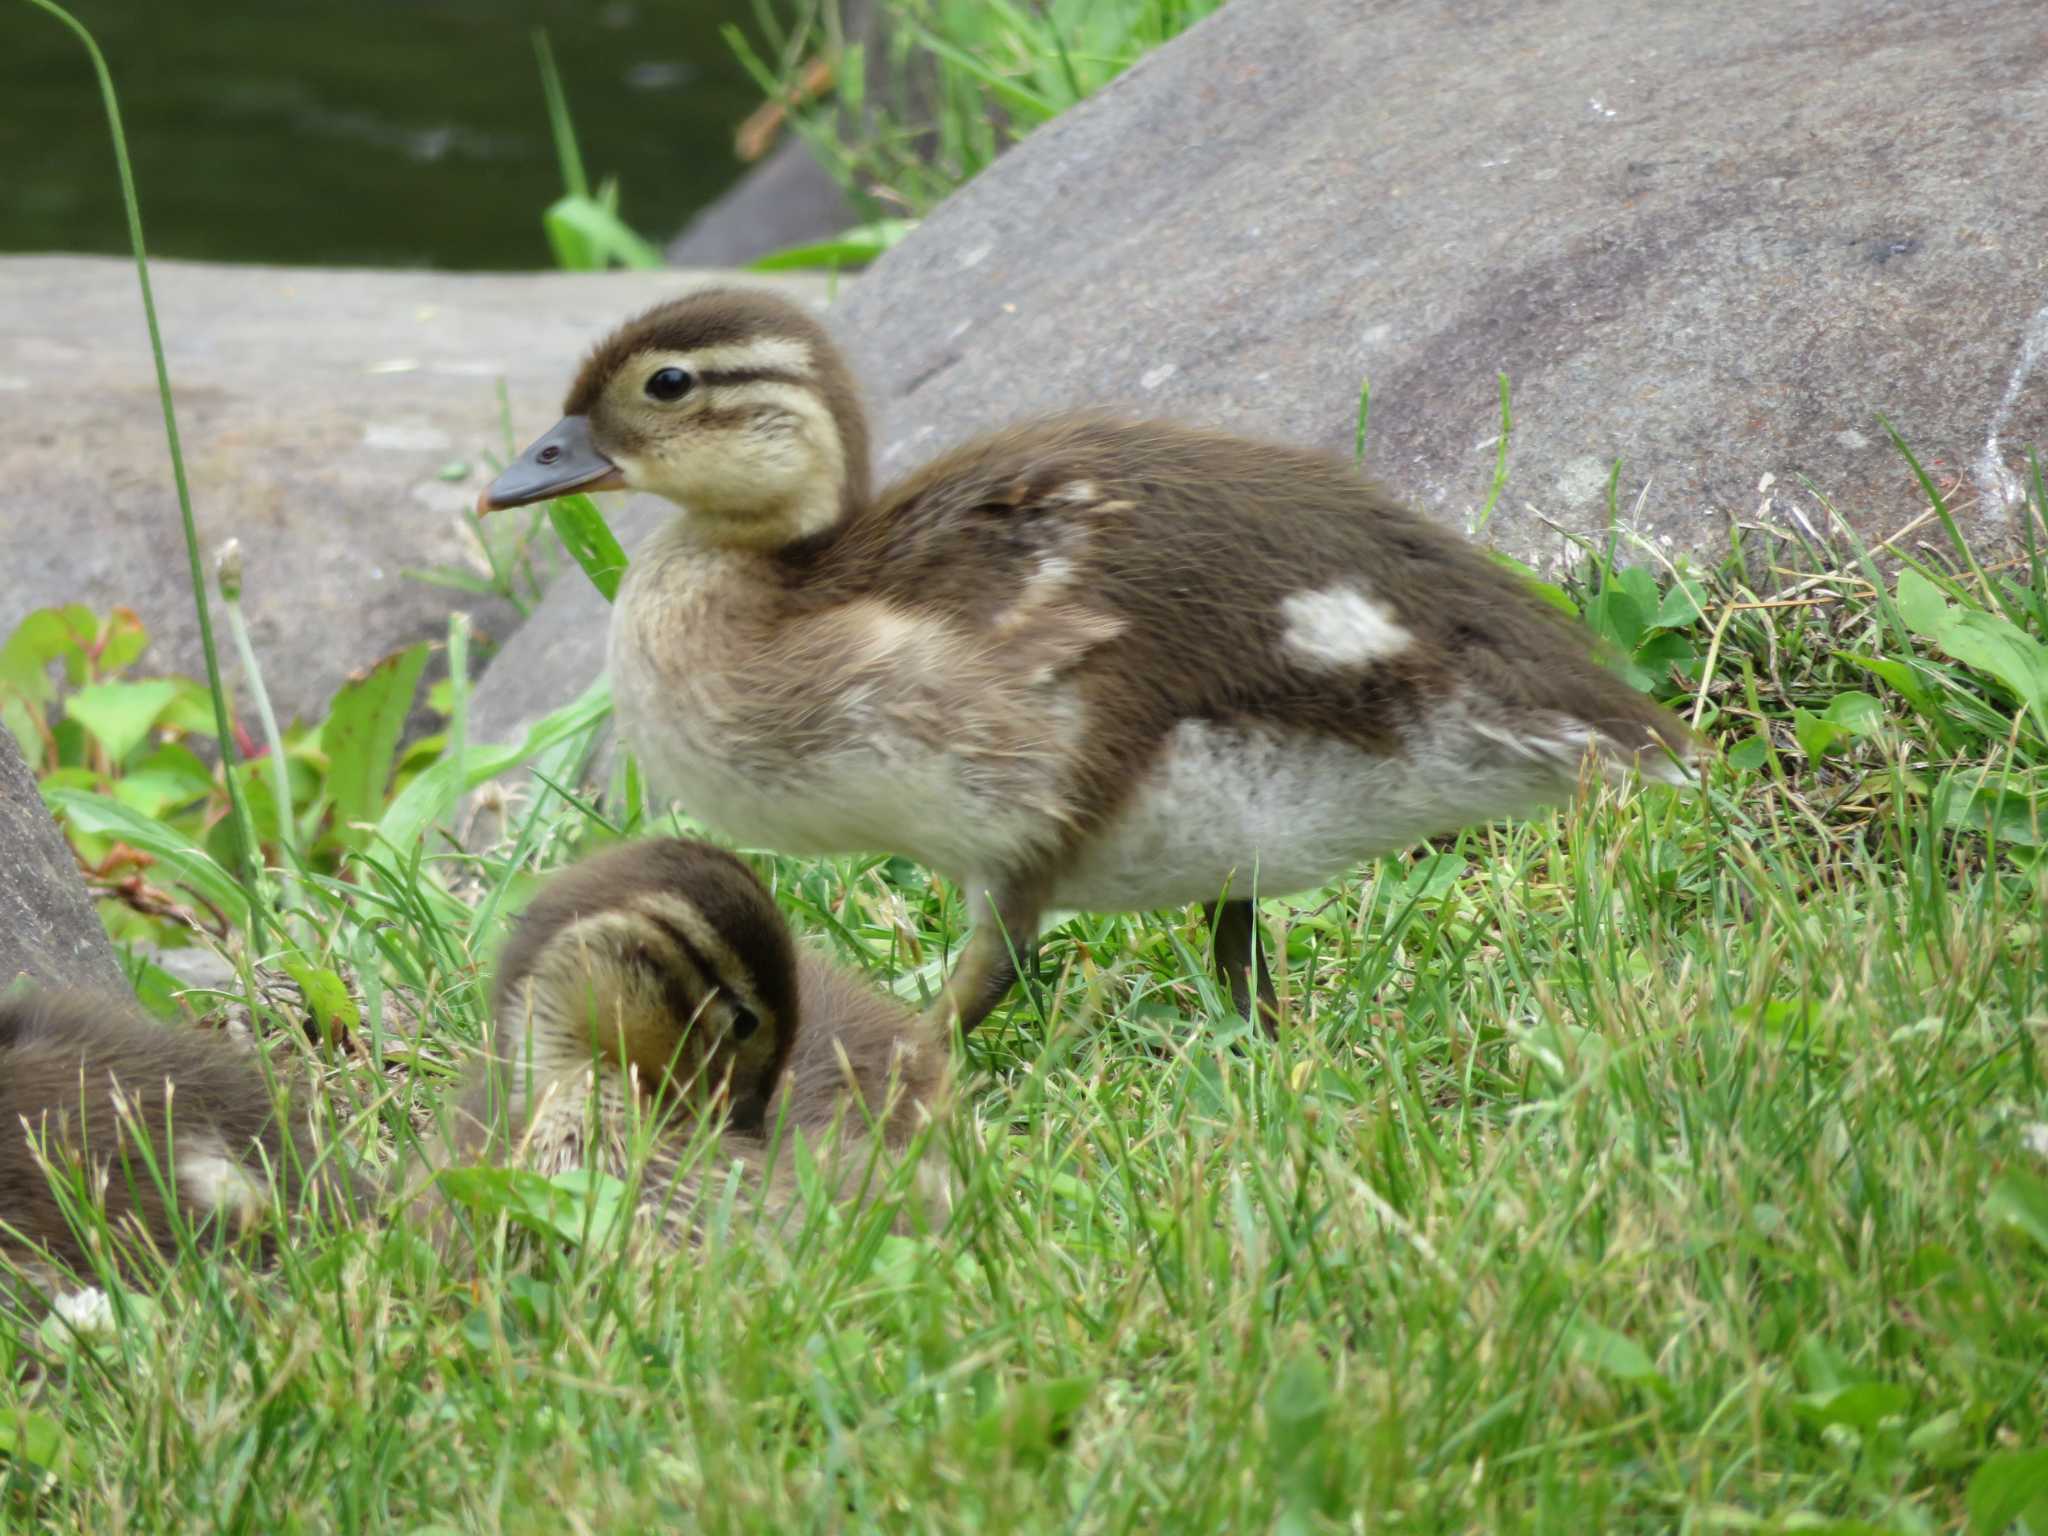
(659, 979)
(86, 1084)
(1080, 663)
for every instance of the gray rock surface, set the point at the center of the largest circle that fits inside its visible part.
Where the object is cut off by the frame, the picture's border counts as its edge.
(785, 200)
(1714, 242)
(318, 411)
(49, 931)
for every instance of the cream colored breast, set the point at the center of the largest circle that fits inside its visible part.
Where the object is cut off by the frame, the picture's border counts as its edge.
(860, 728)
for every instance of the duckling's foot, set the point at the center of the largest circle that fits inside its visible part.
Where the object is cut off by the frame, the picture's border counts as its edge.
(1240, 954)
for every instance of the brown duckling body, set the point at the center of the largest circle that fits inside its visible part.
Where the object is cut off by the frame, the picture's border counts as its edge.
(1079, 663)
(658, 980)
(92, 1084)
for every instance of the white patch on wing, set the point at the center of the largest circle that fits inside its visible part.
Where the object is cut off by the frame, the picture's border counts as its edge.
(1340, 627)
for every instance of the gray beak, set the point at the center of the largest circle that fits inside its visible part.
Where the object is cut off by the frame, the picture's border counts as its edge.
(560, 461)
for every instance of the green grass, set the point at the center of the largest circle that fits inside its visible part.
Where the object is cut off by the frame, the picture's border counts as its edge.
(1670, 1163)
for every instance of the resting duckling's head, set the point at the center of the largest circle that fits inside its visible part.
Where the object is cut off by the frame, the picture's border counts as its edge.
(662, 963)
(732, 403)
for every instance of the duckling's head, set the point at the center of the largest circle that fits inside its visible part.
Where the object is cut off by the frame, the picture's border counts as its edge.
(732, 403)
(664, 958)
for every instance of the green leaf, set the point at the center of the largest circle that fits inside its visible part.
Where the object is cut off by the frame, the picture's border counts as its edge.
(2020, 1201)
(125, 639)
(433, 794)
(1814, 734)
(42, 637)
(1684, 605)
(119, 715)
(1921, 605)
(579, 1207)
(2007, 1486)
(1859, 714)
(588, 538)
(589, 237)
(1862, 1407)
(362, 733)
(1616, 1355)
(1034, 1417)
(1297, 1408)
(1750, 754)
(1995, 645)
(187, 863)
(327, 995)
(854, 247)
(1898, 674)
(35, 1438)
(2010, 815)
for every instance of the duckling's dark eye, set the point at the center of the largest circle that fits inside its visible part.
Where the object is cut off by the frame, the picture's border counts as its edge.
(744, 1023)
(669, 384)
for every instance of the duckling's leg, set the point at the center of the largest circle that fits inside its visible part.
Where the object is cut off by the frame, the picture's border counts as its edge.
(1240, 954)
(1006, 917)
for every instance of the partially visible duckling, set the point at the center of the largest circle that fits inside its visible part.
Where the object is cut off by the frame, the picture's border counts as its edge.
(86, 1083)
(659, 979)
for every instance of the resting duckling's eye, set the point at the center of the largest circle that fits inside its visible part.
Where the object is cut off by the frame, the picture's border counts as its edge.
(669, 384)
(744, 1022)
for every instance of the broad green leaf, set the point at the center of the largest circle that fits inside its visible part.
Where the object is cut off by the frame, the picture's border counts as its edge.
(1898, 674)
(1033, 1416)
(1862, 1407)
(2007, 1486)
(1616, 1355)
(154, 794)
(1921, 605)
(434, 793)
(177, 855)
(362, 733)
(1684, 605)
(42, 637)
(35, 1438)
(327, 995)
(2010, 815)
(119, 715)
(1297, 1407)
(2020, 1201)
(124, 640)
(588, 538)
(1994, 645)
(854, 247)
(578, 1207)
(1814, 734)
(587, 236)
(1750, 754)
(1857, 713)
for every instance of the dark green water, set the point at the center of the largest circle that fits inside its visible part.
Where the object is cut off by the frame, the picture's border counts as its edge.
(385, 132)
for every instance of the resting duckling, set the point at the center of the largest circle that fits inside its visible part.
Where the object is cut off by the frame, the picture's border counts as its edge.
(86, 1084)
(1081, 663)
(659, 979)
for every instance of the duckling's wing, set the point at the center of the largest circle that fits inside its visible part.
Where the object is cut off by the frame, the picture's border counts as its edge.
(1190, 575)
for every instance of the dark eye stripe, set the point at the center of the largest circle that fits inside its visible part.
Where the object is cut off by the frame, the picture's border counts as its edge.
(680, 1004)
(751, 376)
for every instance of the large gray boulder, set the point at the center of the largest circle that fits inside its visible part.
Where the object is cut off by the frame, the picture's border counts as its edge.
(1714, 245)
(48, 929)
(324, 417)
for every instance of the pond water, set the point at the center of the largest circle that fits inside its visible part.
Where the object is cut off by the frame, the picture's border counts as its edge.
(359, 132)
